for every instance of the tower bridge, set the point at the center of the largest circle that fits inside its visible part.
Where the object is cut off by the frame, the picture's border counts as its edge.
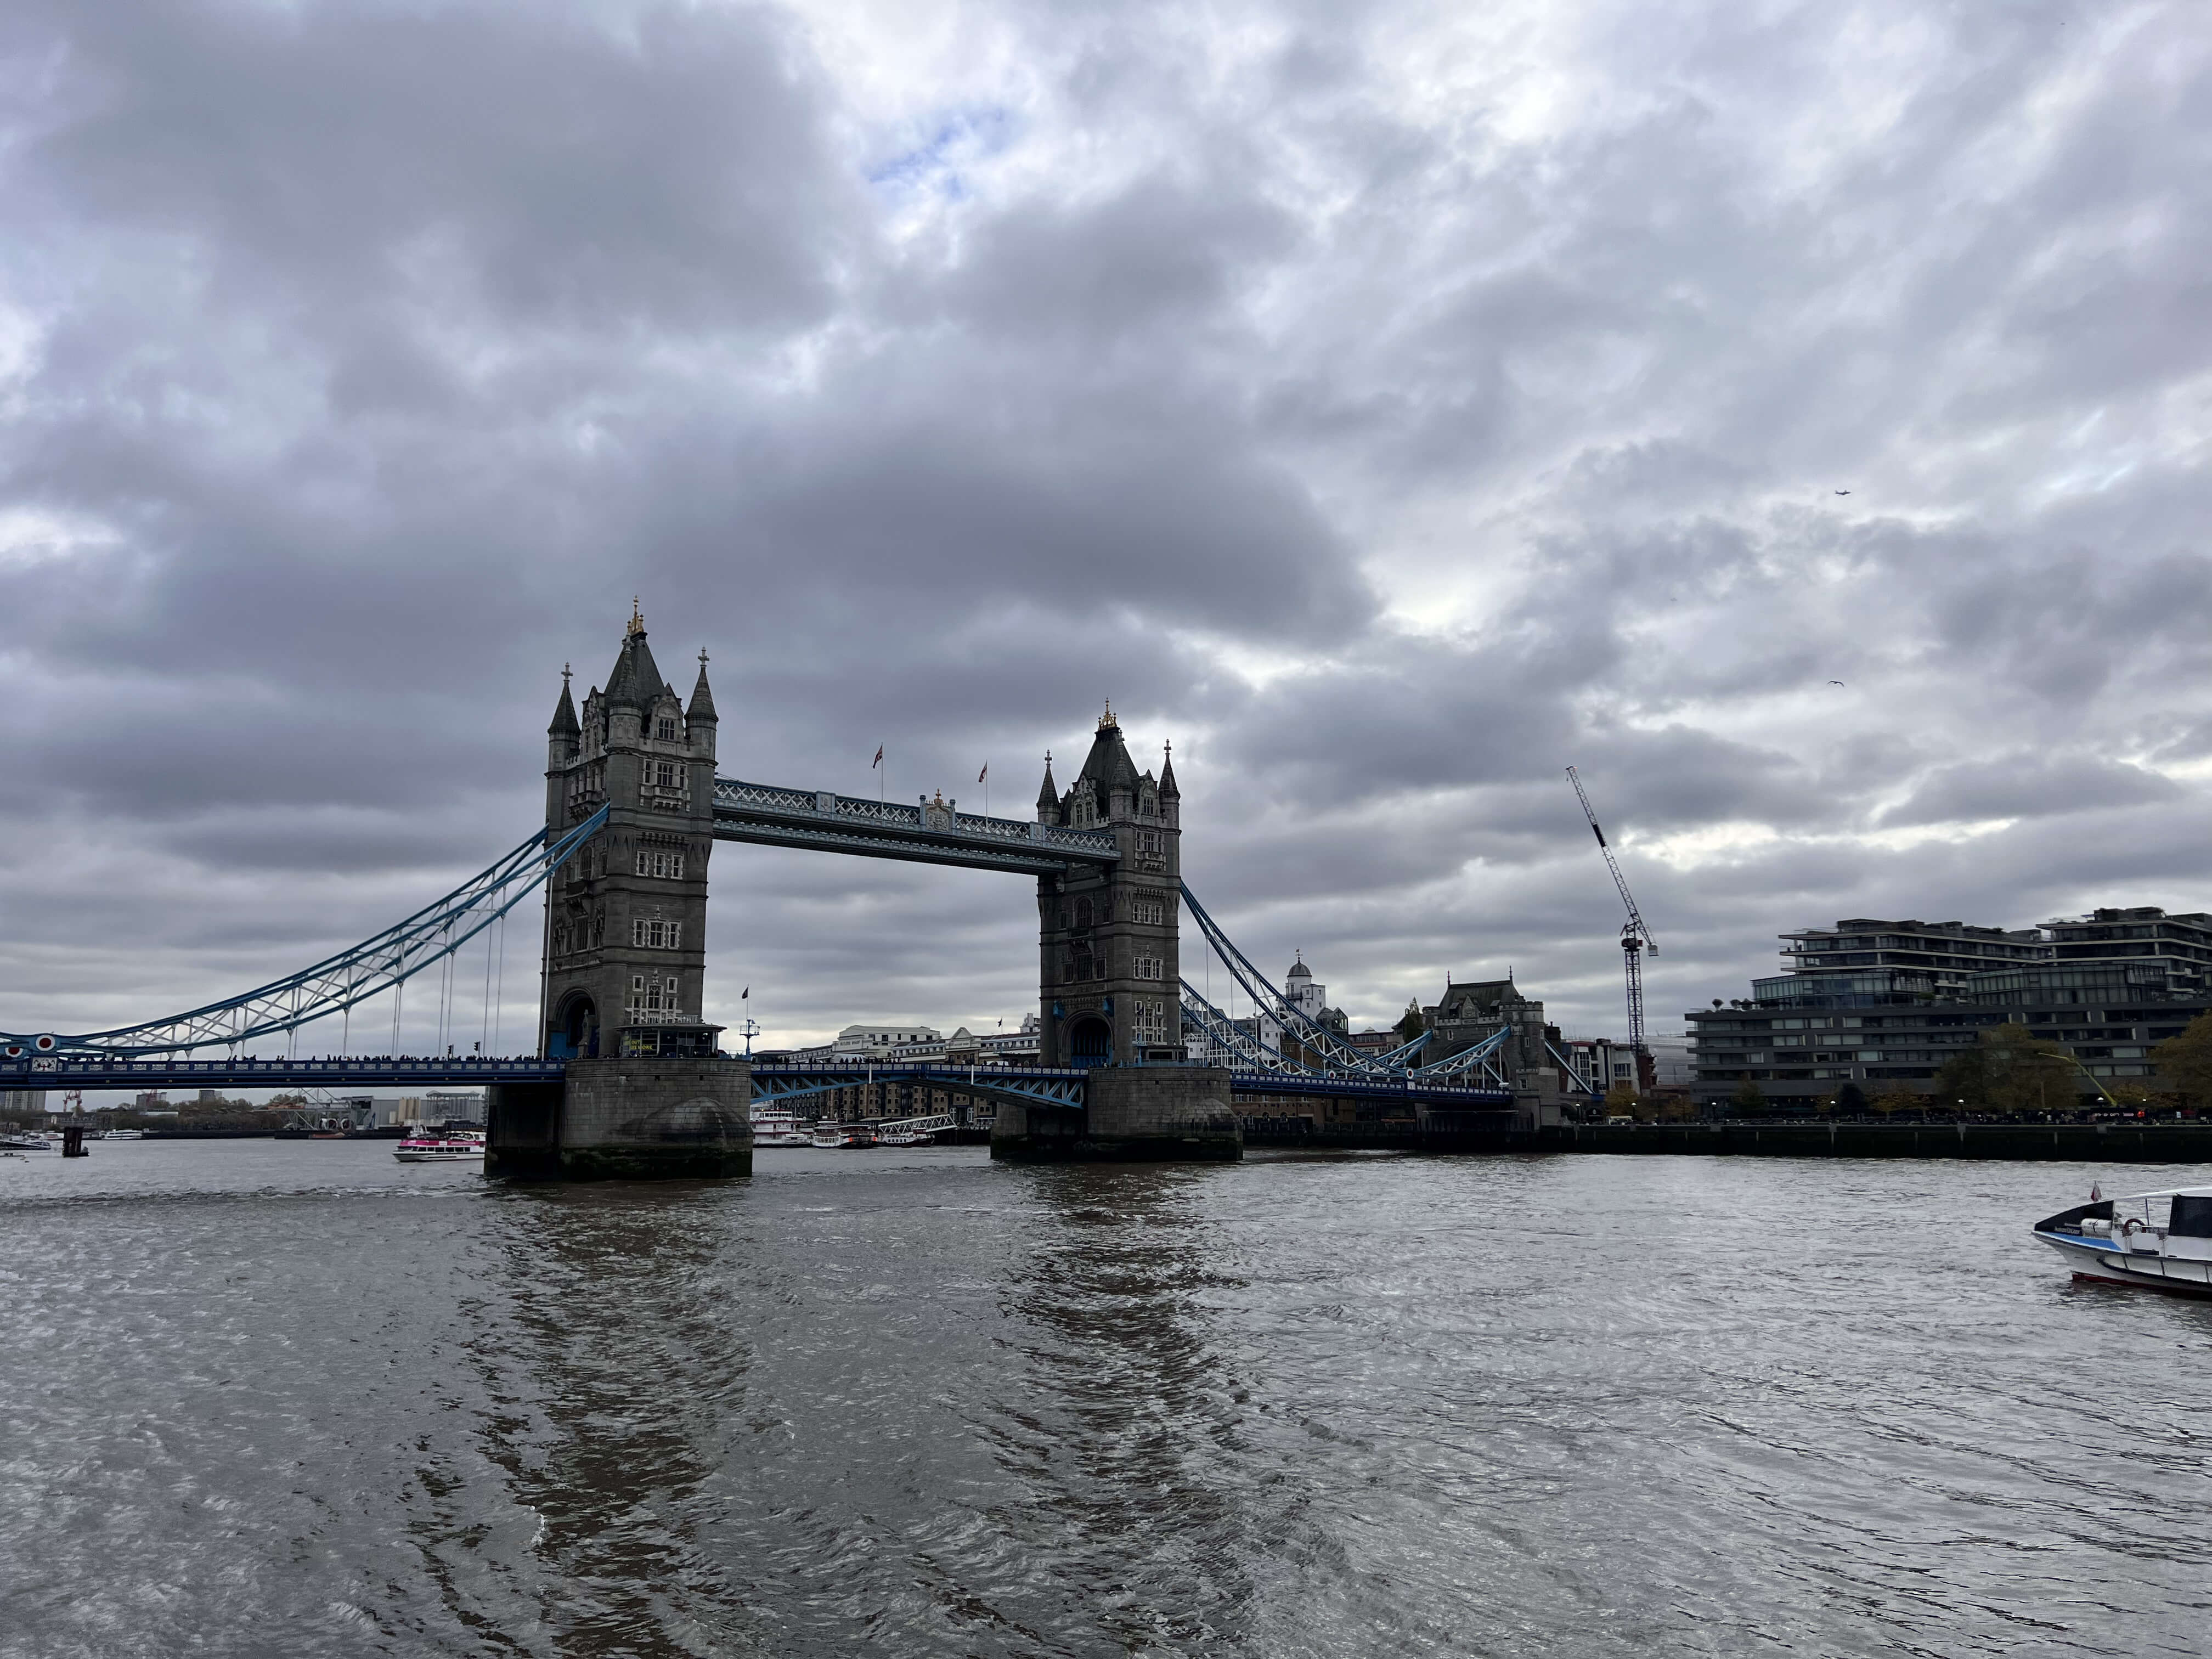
(627, 1077)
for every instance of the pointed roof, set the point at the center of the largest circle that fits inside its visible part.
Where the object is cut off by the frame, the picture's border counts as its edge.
(637, 678)
(1048, 792)
(1168, 790)
(1107, 766)
(701, 711)
(564, 713)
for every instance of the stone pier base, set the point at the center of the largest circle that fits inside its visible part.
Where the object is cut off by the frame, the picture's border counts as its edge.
(625, 1120)
(1130, 1114)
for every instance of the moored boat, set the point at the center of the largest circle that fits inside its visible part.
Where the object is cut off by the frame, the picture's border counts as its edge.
(775, 1127)
(2158, 1241)
(25, 1142)
(826, 1134)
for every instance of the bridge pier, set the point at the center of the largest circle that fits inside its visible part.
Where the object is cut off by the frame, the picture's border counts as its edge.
(626, 1119)
(1130, 1114)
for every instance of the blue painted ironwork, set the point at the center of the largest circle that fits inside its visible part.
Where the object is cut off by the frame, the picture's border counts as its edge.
(1586, 1084)
(1242, 1045)
(1336, 1054)
(1374, 1089)
(344, 981)
(94, 1070)
(1048, 1086)
(932, 832)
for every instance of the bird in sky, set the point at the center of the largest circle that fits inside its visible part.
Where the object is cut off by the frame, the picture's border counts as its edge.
(1842, 492)
(1835, 682)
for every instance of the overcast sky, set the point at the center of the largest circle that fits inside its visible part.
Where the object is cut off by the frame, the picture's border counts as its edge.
(1390, 405)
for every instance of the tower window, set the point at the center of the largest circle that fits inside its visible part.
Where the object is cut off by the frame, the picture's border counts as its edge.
(652, 999)
(664, 727)
(1148, 910)
(660, 864)
(1148, 968)
(1149, 1023)
(657, 935)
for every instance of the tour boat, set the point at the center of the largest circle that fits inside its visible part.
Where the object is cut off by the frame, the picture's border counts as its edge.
(904, 1138)
(451, 1147)
(125, 1134)
(856, 1135)
(826, 1134)
(775, 1127)
(2162, 1241)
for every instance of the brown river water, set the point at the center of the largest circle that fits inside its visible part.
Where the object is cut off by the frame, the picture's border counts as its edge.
(296, 1399)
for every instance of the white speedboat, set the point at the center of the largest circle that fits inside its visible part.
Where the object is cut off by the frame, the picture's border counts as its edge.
(773, 1127)
(453, 1147)
(2161, 1241)
(25, 1142)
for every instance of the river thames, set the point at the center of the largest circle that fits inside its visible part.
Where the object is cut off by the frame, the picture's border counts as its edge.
(295, 1399)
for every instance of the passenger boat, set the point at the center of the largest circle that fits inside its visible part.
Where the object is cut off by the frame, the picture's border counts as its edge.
(25, 1142)
(826, 1134)
(450, 1148)
(775, 1127)
(125, 1134)
(904, 1138)
(856, 1135)
(2161, 1241)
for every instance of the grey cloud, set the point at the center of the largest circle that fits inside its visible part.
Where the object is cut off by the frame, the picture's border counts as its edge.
(2027, 785)
(1389, 449)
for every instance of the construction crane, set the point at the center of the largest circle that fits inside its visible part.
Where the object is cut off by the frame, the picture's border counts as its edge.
(1635, 939)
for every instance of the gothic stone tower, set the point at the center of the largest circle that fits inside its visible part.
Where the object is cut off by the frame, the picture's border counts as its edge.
(626, 916)
(1107, 936)
(644, 1094)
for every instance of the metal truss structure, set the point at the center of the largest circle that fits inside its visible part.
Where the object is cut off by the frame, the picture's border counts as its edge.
(338, 982)
(1041, 1085)
(932, 832)
(1587, 1085)
(84, 1070)
(1328, 1054)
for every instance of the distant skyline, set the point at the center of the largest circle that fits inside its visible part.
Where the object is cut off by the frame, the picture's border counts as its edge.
(1795, 418)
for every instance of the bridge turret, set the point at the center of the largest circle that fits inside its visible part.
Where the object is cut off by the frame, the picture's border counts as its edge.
(1108, 941)
(625, 936)
(1048, 795)
(1171, 796)
(700, 720)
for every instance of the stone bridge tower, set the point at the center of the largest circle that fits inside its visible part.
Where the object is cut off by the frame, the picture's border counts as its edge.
(644, 1093)
(626, 916)
(1109, 972)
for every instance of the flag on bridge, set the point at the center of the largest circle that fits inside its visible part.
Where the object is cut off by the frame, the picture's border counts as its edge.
(878, 760)
(985, 773)
(745, 993)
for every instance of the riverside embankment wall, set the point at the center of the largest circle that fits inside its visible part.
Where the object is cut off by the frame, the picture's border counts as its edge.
(2067, 1143)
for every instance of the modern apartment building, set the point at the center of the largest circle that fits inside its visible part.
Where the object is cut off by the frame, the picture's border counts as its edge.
(1883, 1004)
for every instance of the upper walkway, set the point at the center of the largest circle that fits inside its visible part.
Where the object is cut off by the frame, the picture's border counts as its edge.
(932, 832)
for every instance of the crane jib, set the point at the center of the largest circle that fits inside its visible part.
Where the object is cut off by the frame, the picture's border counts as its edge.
(1599, 833)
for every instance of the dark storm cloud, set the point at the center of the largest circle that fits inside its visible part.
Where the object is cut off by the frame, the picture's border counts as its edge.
(1391, 408)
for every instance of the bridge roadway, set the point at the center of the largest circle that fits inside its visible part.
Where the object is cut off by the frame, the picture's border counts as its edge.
(1062, 1087)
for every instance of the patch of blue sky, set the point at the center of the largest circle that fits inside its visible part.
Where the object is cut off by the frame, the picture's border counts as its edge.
(953, 140)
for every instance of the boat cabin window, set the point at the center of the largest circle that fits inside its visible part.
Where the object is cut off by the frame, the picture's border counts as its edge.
(2192, 1215)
